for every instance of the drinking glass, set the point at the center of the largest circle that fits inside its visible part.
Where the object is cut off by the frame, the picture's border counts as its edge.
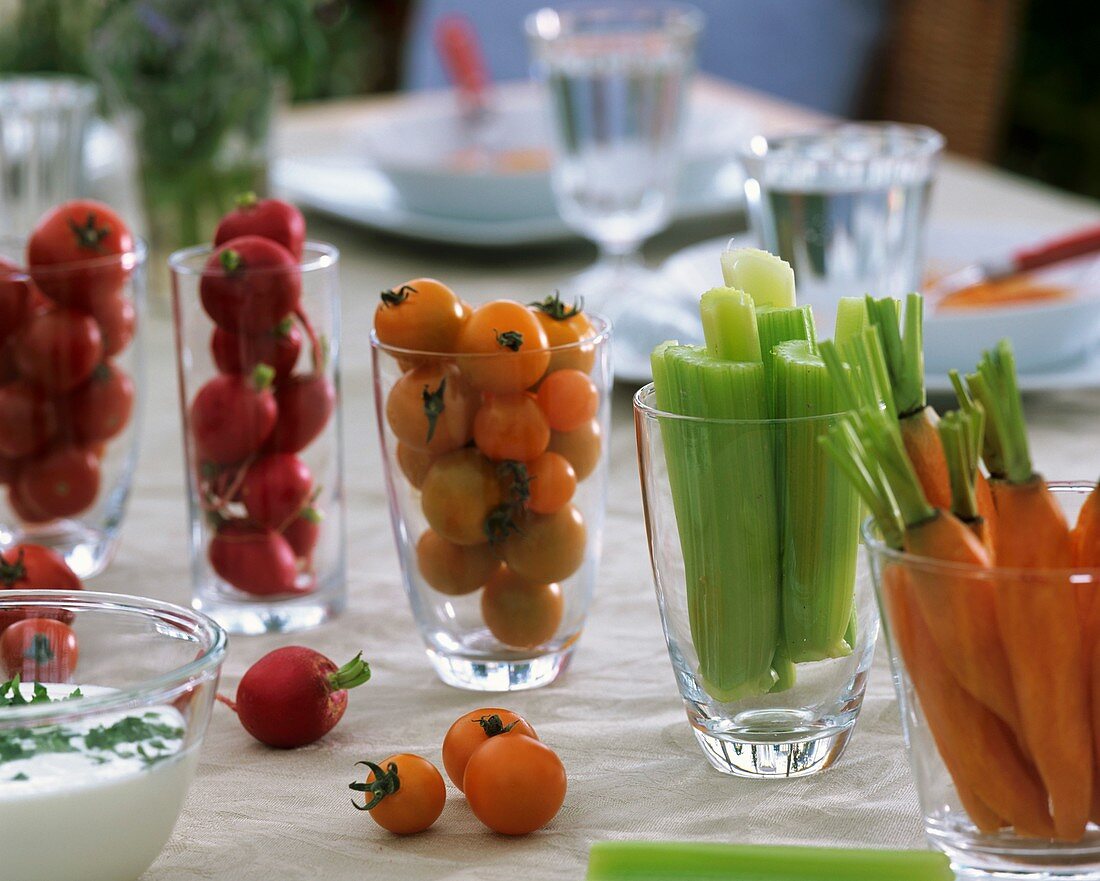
(67, 456)
(770, 631)
(975, 771)
(42, 124)
(266, 511)
(617, 76)
(500, 591)
(845, 206)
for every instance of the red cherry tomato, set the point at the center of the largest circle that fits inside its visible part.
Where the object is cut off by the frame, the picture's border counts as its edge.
(58, 349)
(471, 731)
(551, 483)
(405, 794)
(507, 347)
(253, 559)
(511, 426)
(27, 419)
(569, 399)
(100, 408)
(269, 218)
(514, 784)
(431, 408)
(80, 252)
(14, 297)
(276, 488)
(422, 315)
(232, 416)
(39, 650)
(117, 320)
(240, 353)
(250, 284)
(31, 567)
(303, 532)
(305, 402)
(63, 483)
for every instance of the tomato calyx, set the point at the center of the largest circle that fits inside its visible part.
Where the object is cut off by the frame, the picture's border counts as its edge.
(11, 573)
(88, 235)
(385, 783)
(520, 487)
(553, 307)
(354, 673)
(391, 297)
(40, 651)
(247, 200)
(433, 406)
(501, 523)
(509, 339)
(493, 725)
(503, 519)
(231, 261)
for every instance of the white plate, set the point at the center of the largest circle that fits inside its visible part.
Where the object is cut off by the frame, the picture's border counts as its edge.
(955, 340)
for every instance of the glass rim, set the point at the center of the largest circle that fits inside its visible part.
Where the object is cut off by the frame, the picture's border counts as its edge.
(872, 540)
(926, 141)
(683, 19)
(127, 260)
(603, 334)
(643, 407)
(213, 638)
(180, 261)
(80, 87)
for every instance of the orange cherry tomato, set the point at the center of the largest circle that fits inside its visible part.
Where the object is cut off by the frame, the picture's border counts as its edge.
(454, 569)
(551, 483)
(471, 731)
(511, 426)
(414, 464)
(405, 794)
(460, 491)
(422, 314)
(506, 345)
(431, 408)
(39, 650)
(581, 447)
(521, 613)
(515, 784)
(566, 326)
(569, 399)
(546, 547)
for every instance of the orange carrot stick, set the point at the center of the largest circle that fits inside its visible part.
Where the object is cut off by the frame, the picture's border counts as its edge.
(922, 443)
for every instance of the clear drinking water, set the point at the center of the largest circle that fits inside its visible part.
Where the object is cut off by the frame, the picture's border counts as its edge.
(845, 207)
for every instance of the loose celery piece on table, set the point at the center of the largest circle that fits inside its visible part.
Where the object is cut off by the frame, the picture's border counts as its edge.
(819, 512)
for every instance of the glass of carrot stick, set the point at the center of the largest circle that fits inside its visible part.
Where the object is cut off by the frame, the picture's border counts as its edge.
(986, 578)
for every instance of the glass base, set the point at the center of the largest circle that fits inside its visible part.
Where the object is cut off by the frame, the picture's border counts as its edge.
(773, 758)
(974, 856)
(499, 675)
(87, 551)
(280, 616)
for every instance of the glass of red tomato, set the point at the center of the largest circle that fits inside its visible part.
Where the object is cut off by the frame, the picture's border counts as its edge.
(70, 380)
(493, 422)
(258, 345)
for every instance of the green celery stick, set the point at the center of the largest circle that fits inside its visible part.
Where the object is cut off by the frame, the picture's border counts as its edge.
(851, 319)
(763, 276)
(785, 673)
(661, 861)
(819, 512)
(729, 325)
(777, 325)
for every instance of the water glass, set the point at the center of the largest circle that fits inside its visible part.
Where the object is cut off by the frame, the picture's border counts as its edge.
(983, 779)
(617, 76)
(499, 586)
(67, 453)
(770, 634)
(264, 453)
(845, 206)
(43, 120)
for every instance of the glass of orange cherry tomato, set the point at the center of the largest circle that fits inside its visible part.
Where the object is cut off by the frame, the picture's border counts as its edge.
(493, 421)
(257, 336)
(70, 377)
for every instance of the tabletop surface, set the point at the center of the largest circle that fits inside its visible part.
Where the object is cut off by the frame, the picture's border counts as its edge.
(615, 717)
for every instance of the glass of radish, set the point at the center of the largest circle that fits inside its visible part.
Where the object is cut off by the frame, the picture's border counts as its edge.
(257, 340)
(70, 382)
(493, 423)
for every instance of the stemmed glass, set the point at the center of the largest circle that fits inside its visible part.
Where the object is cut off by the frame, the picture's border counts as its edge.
(616, 75)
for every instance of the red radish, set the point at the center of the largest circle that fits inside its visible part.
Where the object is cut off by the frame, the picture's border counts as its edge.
(232, 416)
(7, 470)
(14, 297)
(270, 218)
(23, 509)
(303, 532)
(117, 320)
(27, 419)
(253, 559)
(276, 488)
(58, 349)
(294, 696)
(240, 353)
(32, 567)
(305, 404)
(63, 483)
(39, 650)
(100, 409)
(250, 284)
(80, 252)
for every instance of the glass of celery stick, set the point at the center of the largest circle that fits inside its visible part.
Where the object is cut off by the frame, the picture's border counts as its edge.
(753, 532)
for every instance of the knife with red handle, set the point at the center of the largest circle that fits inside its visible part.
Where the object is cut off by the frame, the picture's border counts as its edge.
(460, 51)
